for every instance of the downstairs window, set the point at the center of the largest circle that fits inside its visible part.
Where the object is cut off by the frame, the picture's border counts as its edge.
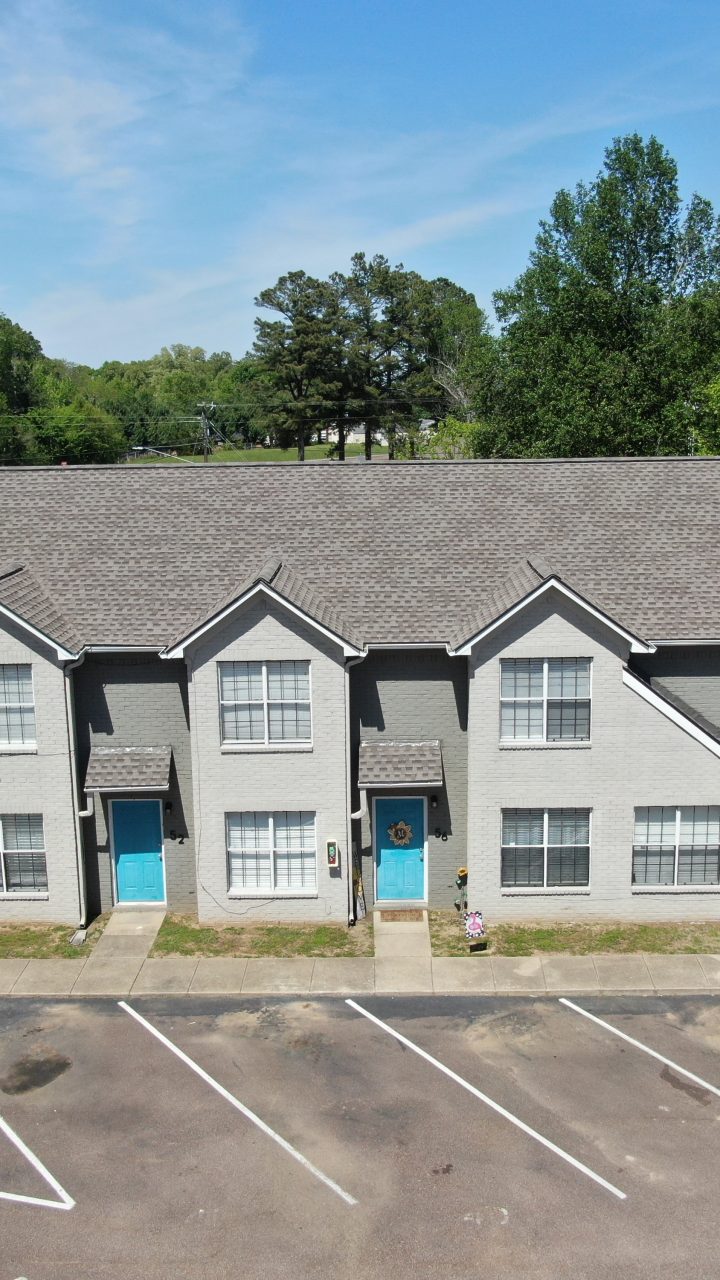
(271, 852)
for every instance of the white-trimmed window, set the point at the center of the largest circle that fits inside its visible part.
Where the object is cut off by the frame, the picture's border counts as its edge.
(545, 699)
(17, 705)
(262, 703)
(271, 852)
(23, 868)
(545, 848)
(677, 845)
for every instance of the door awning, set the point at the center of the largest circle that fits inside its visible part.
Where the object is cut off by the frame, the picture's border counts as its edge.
(400, 764)
(128, 769)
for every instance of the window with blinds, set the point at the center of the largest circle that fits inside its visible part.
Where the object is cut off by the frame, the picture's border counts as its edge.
(545, 848)
(545, 699)
(23, 868)
(263, 703)
(17, 705)
(271, 852)
(676, 845)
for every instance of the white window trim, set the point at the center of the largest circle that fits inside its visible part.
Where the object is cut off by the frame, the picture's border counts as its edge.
(26, 895)
(376, 836)
(267, 743)
(29, 747)
(545, 741)
(674, 887)
(8, 895)
(253, 891)
(546, 888)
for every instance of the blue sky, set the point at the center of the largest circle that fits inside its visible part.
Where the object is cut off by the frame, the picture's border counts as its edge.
(162, 161)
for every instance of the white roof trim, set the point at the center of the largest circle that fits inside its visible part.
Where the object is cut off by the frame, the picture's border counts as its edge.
(178, 650)
(165, 786)
(636, 644)
(60, 649)
(667, 709)
(690, 643)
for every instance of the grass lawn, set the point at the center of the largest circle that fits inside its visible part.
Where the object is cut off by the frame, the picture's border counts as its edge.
(46, 941)
(261, 454)
(448, 938)
(183, 936)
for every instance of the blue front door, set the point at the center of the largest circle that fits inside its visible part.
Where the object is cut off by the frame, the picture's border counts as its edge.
(137, 841)
(400, 847)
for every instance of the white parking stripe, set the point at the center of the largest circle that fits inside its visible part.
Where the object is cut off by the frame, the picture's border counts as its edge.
(508, 1115)
(235, 1102)
(638, 1045)
(65, 1201)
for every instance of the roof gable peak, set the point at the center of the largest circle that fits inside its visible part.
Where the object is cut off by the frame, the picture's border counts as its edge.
(282, 584)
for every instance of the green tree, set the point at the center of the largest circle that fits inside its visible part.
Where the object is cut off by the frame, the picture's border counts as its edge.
(19, 351)
(604, 347)
(303, 353)
(73, 433)
(390, 327)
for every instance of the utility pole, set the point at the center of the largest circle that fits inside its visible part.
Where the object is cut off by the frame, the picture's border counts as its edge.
(206, 426)
(205, 432)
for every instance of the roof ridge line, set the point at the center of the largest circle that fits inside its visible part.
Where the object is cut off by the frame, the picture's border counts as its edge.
(10, 567)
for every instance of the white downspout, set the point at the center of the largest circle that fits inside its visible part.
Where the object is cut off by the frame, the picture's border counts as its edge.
(351, 662)
(88, 813)
(361, 812)
(77, 812)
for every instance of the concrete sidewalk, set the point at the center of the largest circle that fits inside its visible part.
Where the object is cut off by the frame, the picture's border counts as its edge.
(120, 970)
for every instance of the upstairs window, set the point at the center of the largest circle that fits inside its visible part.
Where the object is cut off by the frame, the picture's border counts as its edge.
(262, 703)
(675, 845)
(545, 699)
(22, 853)
(17, 705)
(545, 848)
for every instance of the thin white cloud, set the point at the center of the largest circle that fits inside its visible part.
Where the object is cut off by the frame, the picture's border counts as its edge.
(128, 121)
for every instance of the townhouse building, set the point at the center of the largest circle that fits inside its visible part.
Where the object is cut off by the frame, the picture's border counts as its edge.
(271, 693)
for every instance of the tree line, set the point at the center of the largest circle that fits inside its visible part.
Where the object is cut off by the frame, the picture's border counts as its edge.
(607, 343)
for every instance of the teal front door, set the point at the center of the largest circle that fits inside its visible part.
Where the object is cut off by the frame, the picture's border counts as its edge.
(400, 847)
(138, 848)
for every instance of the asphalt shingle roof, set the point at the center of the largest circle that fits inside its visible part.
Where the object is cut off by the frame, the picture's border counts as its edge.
(128, 768)
(22, 594)
(403, 552)
(384, 764)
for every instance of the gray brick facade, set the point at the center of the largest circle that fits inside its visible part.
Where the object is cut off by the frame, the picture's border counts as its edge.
(636, 757)
(506, 550)
(693, 674)
(41, 781)
(137, 700)
(416, 696)
(250, 779)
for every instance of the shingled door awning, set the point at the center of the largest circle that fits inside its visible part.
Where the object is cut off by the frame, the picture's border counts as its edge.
(400, 764)
(128, 769)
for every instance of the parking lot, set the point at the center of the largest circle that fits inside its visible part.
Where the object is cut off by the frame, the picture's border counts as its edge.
(206, 1137)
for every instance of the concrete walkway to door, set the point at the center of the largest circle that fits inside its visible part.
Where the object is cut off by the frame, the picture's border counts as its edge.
(403, 959)
(118, 956)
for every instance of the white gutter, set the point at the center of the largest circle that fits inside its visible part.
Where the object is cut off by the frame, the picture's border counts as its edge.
(673, 644)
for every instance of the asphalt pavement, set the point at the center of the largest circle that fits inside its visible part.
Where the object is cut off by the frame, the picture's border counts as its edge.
(464, 1137)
